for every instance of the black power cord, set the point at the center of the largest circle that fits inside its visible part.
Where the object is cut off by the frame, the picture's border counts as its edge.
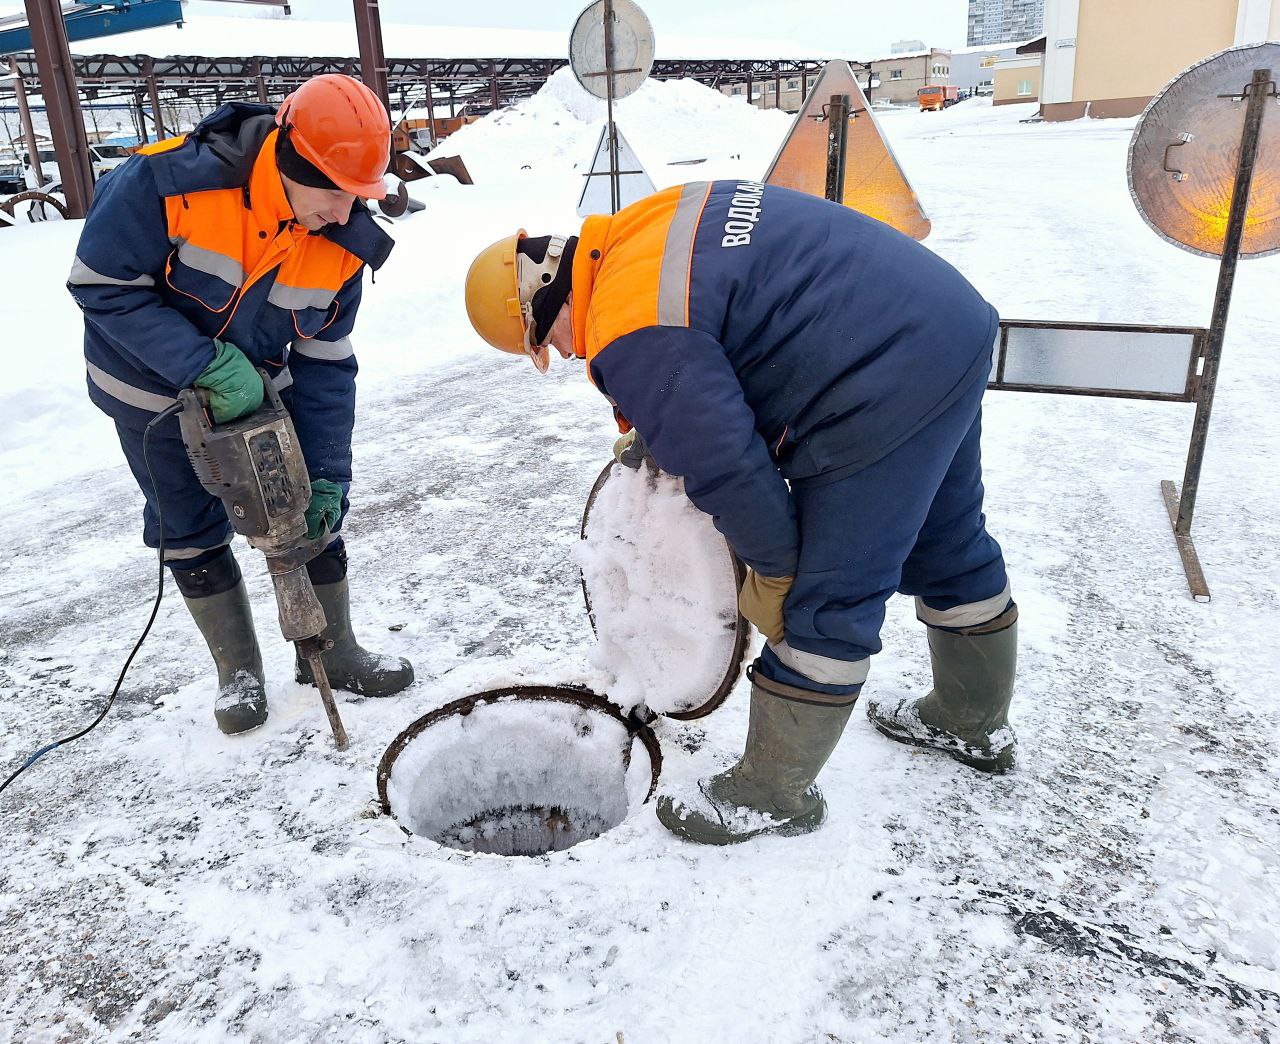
(155, 609)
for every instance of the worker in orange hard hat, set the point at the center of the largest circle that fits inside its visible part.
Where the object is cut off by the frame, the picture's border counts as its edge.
(237, 247)
(335, 135)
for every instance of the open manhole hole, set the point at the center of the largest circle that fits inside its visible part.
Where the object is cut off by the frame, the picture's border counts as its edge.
(519, 771)
(661, 586)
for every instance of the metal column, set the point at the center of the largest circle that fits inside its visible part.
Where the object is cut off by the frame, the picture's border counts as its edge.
(28, 129)
(431, 109)
(373, 61)
(62, 103)
(154, 91)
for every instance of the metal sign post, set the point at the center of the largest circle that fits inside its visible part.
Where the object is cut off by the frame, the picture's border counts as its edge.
(609, 67)
(611, 52)
(1257, 92)
(1184, 184)
(837, 145)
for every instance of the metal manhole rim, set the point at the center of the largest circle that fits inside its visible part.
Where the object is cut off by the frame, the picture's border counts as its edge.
(462, 707)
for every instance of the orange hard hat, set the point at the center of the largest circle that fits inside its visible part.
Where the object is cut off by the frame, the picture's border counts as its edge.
(339, 126)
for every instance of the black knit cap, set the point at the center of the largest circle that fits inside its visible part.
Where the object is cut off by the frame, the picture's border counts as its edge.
(548, 301)
(296, 167)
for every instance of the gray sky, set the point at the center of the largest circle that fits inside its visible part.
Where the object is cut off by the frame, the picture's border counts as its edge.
(855, 27)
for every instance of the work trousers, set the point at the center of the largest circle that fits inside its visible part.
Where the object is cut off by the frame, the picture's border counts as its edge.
(912, 522)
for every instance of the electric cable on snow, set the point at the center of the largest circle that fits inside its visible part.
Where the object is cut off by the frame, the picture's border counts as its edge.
(155, 609)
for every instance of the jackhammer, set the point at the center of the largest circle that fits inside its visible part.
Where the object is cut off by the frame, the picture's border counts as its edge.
(255, 466)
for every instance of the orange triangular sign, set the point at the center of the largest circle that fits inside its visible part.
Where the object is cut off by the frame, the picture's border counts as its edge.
(874, 182)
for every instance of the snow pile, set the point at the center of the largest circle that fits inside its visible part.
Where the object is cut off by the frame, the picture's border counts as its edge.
(519, 777)
(663, 593)
(666, 121)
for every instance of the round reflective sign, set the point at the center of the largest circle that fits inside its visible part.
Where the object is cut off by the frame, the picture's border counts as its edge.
(632, 48)
(1186, 147)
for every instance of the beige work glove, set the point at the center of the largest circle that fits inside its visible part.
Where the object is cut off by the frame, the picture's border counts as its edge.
(623, 444)
(760, 601)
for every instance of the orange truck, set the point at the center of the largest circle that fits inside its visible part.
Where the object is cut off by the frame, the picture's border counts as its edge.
(937, 97)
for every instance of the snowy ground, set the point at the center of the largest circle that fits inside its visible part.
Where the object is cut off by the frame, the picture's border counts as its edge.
(161, 882)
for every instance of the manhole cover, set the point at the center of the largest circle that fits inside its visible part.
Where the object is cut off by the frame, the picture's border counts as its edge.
(1185, 150)
(661, 587)
(520, 771)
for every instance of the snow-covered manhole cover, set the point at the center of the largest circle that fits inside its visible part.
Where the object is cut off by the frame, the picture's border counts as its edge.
(661, 586)
(522, 771)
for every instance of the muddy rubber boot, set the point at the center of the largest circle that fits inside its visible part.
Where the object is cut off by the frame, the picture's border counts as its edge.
(218, 602)
(966, 713)
(771, 789)
(349, 665)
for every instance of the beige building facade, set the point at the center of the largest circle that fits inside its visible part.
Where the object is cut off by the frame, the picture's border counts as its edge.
(895, 79)
(1104, 58)
(1017, 80)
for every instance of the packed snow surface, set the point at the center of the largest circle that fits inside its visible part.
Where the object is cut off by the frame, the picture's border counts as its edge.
(161, 882)
(664, 597)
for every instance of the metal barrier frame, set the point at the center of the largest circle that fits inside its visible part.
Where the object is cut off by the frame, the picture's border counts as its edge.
(1195, 390)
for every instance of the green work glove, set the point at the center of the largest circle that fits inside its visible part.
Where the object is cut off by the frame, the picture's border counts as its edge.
(234, 386)
(760, 601)
(325, 508)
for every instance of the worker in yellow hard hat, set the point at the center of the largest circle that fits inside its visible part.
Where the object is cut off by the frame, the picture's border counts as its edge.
(816, 378)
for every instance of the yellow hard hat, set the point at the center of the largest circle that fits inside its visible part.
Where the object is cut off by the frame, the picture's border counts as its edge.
(499, 294)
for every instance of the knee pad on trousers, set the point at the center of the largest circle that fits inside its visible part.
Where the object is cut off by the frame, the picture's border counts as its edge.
(330, 565)
(216, 575)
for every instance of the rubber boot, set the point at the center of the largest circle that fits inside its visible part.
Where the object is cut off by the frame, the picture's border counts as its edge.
(216, 597)
(966, 713)
(771, 789)
(349, 665)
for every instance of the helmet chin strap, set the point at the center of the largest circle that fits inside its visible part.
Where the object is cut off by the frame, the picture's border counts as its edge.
(531, 281)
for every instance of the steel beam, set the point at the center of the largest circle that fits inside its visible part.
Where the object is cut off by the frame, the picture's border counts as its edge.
(373, 60)
(62, 103)
(28, 128)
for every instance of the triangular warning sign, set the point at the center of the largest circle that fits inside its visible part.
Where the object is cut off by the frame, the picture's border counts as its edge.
(874, 182)
(633, 182)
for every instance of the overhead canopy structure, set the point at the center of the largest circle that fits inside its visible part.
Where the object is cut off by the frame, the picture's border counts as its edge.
(216, 59)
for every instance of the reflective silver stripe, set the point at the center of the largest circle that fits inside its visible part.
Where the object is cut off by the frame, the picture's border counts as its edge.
(825, 670)
(299, 297)
(127, 393)
(673, 277)
(328, 351)
(282, 380)
(210, 262)
(181, 554)
(83, 275)
(964, 615)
